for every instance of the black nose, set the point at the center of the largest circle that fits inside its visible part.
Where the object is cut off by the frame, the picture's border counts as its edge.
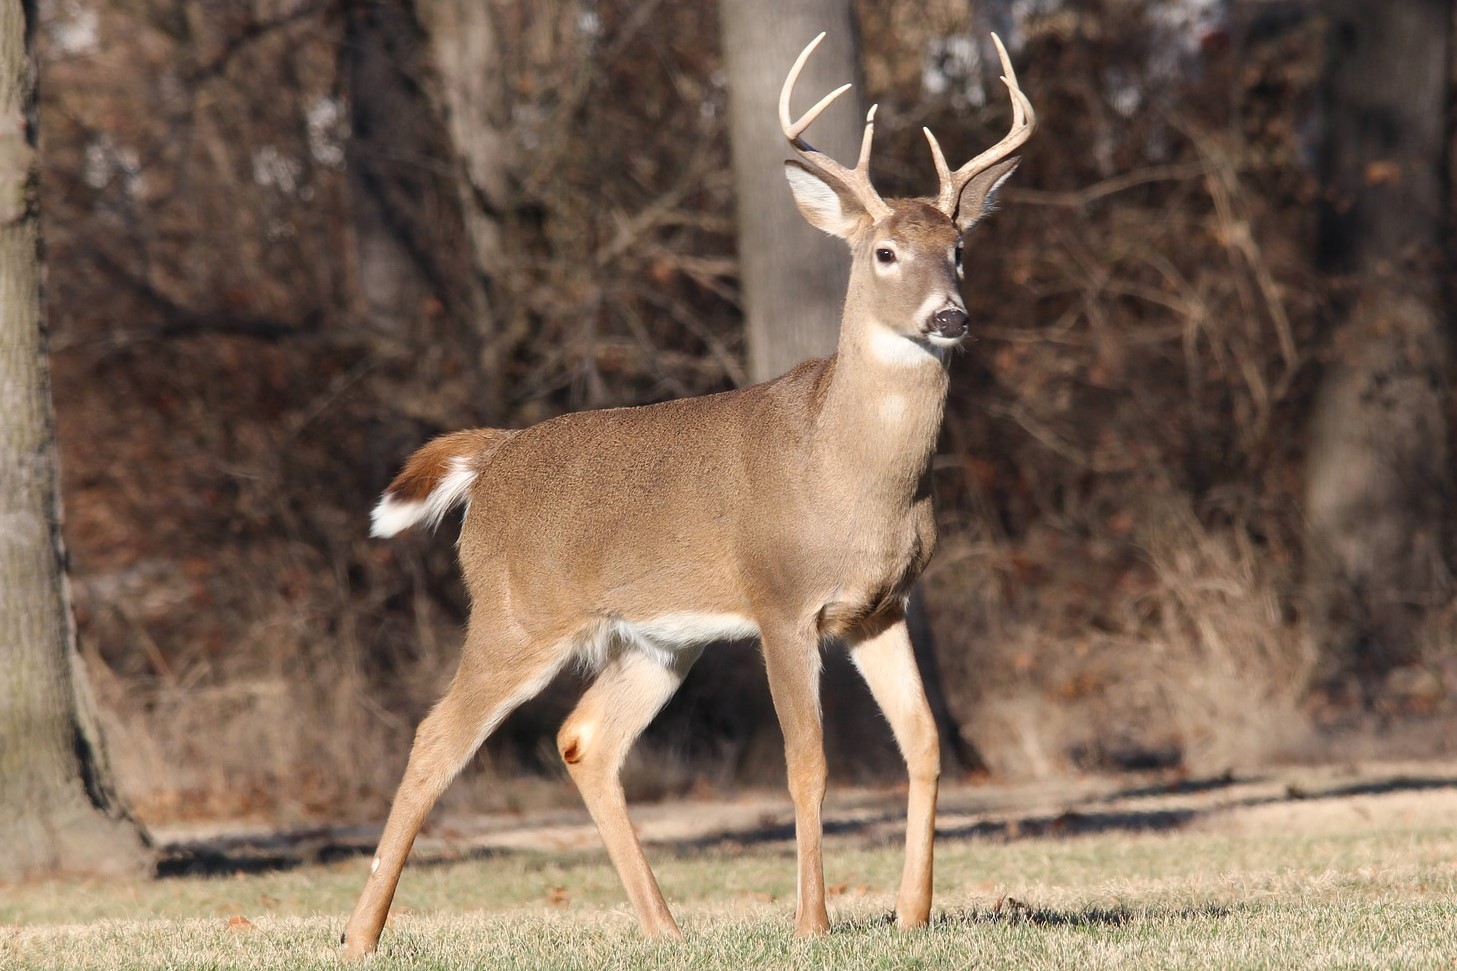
(951, 322)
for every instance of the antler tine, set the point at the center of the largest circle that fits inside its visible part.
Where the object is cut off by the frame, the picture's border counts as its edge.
(945, 197)
(792, 130)
(863, 162)
(1024, 123)
(856, 179)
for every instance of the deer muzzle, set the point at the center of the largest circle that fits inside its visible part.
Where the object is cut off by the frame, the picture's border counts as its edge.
(949, 323)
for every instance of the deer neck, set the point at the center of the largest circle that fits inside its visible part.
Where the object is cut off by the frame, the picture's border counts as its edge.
(883, 406)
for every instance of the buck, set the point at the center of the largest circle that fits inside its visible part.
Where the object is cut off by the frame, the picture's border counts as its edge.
(797, 511)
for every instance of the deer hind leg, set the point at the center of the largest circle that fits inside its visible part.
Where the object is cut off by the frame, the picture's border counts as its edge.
(887, 663)
(595, 739)
(487, 687)
(792, 659)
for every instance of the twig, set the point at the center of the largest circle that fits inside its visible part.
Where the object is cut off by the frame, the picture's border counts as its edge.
(1112, 186)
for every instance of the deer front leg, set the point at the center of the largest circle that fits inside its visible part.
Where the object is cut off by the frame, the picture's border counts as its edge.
(593, 742)
(888, 664)
(792, 659)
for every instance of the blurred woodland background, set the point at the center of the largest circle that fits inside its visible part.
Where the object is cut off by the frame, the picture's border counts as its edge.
(1194, 485)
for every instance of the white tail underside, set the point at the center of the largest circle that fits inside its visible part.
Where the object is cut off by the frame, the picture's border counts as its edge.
(392, 515)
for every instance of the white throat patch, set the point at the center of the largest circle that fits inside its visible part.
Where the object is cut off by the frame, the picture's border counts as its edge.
(888, 347)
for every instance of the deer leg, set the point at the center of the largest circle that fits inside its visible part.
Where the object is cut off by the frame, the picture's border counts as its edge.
(485, 690)
(595, 739)
(887, 663)
(792, 659)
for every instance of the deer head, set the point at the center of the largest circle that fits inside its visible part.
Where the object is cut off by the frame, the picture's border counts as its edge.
(906, 272)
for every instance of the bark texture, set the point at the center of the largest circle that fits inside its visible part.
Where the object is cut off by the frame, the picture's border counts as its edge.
(59, 813)
(472, 96)
(390, 123)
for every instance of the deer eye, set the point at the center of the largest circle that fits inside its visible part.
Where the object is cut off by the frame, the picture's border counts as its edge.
(885, 254)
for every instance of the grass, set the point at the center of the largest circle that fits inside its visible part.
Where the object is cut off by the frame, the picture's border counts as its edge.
(1356, 881)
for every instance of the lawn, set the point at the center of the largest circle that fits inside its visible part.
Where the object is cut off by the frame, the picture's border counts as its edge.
(1336, 870)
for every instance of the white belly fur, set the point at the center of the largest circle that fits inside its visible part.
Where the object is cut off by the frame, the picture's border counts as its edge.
(667, 634)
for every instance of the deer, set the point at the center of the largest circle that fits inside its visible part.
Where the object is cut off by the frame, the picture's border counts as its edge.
(798, 511)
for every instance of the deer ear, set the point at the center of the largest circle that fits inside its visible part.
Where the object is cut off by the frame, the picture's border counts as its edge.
(827, 205)
(979, 195)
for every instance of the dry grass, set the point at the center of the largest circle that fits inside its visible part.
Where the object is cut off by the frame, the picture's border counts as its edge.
(1185, 655)
(1301, 870)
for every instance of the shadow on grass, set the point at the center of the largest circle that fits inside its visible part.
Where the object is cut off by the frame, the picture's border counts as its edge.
(777, 832)
(1011, 911)
(1069, 823)
(1186, 786)
(1076, 822)
(1398, 784)
(1073, 822)
(264, 852)
(1182, 786)
(288, 850)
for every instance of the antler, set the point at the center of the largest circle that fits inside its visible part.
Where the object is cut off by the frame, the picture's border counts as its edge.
(857, 180)
(1024, 123)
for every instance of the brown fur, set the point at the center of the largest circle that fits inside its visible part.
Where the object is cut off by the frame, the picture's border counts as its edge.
(432, 462)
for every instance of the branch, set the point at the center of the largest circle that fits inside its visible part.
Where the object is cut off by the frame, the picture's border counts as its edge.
(179, 321)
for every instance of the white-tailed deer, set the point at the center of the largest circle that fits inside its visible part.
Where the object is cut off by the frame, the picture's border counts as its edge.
(798, 510)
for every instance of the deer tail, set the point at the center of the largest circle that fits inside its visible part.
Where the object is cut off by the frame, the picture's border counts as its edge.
(435, 480)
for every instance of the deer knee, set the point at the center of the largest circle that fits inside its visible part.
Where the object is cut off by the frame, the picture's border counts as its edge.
(572, 743)
(926, 766)
(808, 778)
(923, 749)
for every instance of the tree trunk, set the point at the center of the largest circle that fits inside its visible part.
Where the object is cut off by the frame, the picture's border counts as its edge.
(471, 94)
(794, 283)
(58, 810)
(794, 277)
(1377, 468)
(387, 136)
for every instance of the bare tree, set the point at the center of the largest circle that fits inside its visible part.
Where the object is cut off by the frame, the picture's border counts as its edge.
(472, 96)
(58, 810)
(1377, 473)
(389, 119)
